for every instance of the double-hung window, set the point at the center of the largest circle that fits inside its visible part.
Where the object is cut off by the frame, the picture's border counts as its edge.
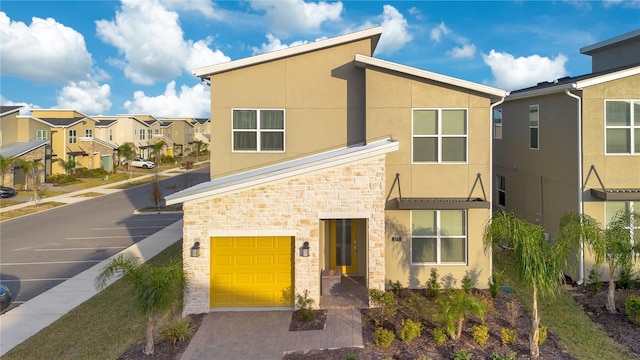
(534, 127)
(110, 134)
(141, 134)
(622, 126)
(497, 124)
(88, 133)
(72, 137)
(42, 134)
(438, 237)
(149, 133)
(439, 135)
(502, 190)
(259, 130)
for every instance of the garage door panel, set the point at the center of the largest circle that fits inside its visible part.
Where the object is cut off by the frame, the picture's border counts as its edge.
(251, 271)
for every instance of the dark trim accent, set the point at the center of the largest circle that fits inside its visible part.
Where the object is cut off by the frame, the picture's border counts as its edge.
(76, 153)
(436, 204)
(616, 194)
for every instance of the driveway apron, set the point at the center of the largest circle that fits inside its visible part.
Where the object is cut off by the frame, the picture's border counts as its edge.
(265, 335)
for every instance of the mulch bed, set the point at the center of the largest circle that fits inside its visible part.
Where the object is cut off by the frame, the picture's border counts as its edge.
(317, 322)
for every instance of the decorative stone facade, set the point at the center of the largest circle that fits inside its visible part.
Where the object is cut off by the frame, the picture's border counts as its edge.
(293, 206)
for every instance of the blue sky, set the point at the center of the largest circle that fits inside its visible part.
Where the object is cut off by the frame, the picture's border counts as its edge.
(137, 56)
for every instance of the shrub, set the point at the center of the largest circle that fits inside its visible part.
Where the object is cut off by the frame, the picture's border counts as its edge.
(454, 309)
(350, 357)
(542, 337)
(395, 287)
(461, 355)
(513, 312)
(305, 305)
(625, 278)
(632, 307)
(177, 330)
(383, 337)
(439, 336)
(468, 282)
(61, 179)
(593, 280)
(416, 306)
(386, 304)
(410, 330)
(433, 285)
(480, 334)
(508, 336)
(506, 356)
(494, 283)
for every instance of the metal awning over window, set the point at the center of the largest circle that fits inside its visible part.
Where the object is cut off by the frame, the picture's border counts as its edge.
(616, 194)
(77, 153)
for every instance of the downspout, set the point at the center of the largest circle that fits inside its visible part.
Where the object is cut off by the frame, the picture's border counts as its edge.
(491, 128)
(580, 202)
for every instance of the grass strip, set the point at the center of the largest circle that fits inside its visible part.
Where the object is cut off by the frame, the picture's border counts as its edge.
(29, 210)
(5, 203)
(561, 315)
(89, 194)
(103, 327)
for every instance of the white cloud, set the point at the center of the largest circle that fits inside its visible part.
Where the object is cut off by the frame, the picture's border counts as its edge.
(462, 52)
(88, 97)
(512, 73)
(151, 40)
(189, 102)
(624, 3)
(395, 32)
(275, 44)
(416, 13)
(205, 7)
(438, 31)
(579, 4)
(285, 16)
(44, 51)
(26, 110)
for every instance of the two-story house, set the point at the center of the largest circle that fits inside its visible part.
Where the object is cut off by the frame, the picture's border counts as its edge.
(323, 157)
(573, 144)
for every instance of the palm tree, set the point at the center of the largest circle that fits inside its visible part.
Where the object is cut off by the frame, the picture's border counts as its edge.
(68, 166)
(156, 291)
(5, 166)
(538, 263)
(157, 154)
(128, 151)
(613, 244)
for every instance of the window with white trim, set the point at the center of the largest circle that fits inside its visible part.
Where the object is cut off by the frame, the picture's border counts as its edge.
(110, 134)
(614, 207)
(438, 237)
(534, 127)
(141, 134)
(149, 133)
(439, 135)
(501, 184)
(42, 134)
(88, 133)
(497, 124)
(622, 126)
(258, 130)
(72, 137)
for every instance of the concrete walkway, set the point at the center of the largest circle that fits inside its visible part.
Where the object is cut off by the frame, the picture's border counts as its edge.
(265, 335)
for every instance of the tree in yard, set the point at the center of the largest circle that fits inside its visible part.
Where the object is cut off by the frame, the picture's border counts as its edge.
(128, 151)
(5, 166)
(156, 291)
(69, 166)
(156, 193)
(157, 155)
(613, 244)
(455, 308)
(199, 147)
(537, 262)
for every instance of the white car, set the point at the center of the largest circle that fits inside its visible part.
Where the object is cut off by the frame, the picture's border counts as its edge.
(142, 163)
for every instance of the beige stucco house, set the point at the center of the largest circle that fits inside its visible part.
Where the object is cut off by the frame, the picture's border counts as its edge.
(324, 157)
(573, 144)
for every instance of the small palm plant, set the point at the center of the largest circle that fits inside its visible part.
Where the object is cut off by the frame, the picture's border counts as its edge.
(156, 291)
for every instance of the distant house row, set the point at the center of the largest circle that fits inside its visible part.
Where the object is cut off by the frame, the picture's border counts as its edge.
(325, 157)
(49, 135)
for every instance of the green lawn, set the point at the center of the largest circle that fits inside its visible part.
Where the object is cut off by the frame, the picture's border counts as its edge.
(563, 317)
(101, 328)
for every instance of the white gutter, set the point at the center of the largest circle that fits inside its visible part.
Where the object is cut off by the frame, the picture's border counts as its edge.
(491, 171)
(580, 202)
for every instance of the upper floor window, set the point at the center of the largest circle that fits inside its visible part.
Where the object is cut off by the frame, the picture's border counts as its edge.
(622, 125)
(157, 131)
(110, 134)
(258, 130)
(439, 135)
(534, 127)
(72, 137)
(149, 133)
(141, 134)
(497, 124)
(88, 133)
(439, 237)
(42, 134)
(502, 190)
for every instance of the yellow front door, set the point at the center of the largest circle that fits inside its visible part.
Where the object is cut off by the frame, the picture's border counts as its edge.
(344, 245)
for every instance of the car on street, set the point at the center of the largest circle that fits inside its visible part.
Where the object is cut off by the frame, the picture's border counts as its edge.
(142, 163)
(6, 192)
(5, 297)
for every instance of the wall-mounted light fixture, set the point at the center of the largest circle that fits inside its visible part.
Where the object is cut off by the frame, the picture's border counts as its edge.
(304, 249)
(195, 249)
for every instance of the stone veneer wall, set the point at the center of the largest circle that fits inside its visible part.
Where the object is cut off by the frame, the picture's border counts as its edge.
(293, 206)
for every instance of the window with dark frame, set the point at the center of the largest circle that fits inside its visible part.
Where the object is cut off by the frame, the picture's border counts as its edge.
(258, 130)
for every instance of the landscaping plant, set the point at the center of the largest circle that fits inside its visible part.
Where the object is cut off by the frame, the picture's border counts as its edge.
(508, 336)
(454, 309)
(593, 279)
(494, 283)
(177, 330)
(439, 336)
(480, 334)
(386, 306)
(383, 337)
(632, 308)
(305, 305)
(433, 285)
(410, 330)
(461, 355)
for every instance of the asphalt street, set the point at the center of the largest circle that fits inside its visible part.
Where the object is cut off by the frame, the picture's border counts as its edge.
(39, 251)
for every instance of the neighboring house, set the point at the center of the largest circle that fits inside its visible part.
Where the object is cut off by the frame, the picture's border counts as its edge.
(180, 131)
(573, 144)
(202, 130)
(120, 129)
(371, 168)
(26, 139)
(72, 138)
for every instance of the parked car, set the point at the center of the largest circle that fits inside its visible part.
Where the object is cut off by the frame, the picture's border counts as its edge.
(5, 297)
(6, 192)
(142, 163)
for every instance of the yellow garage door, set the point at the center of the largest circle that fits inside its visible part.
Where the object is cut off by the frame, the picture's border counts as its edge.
(251, 271)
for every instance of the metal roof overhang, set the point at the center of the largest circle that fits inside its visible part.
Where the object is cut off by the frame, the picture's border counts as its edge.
(436, 204)
(616, 194)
